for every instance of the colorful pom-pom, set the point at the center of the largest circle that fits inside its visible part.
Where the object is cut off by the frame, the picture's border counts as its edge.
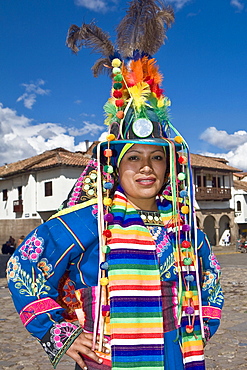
(117, 94)
(119, 102)
(181, 176)
(183, 193)
(116, 70)
(116, 62)
(188, 294)
(189, 310)
(178, 139)
(120, 114)
(107, 233)
(118, 78)
(186, 244)
(108, 217)
(189, 329)
(107, 152)
(185, 210)
(186, 227)
(108, 185)
(182, 159)
(104, 266)
(104, 281)
(110, 137)
(108, 169)
(187, 261)
(117, 85)
(105, 248)
(107, 202)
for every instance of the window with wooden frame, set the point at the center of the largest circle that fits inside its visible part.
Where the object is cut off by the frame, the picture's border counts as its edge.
(48, 189)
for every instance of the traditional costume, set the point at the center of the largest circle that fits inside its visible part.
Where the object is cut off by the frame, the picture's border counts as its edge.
(147, 280)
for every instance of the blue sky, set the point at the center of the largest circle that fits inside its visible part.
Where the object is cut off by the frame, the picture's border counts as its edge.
(49, 97)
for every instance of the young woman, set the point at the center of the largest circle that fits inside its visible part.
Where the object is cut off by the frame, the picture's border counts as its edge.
(124, 257)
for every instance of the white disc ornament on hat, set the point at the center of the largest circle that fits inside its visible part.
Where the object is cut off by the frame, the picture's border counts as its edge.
(142, 127)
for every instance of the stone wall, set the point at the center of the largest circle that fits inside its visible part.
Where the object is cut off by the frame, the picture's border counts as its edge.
(16, 228)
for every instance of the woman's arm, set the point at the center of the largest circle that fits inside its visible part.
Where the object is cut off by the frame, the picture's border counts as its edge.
(211, 291)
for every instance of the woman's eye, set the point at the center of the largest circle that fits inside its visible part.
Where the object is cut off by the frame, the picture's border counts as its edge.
(133, 158)
(158, 157)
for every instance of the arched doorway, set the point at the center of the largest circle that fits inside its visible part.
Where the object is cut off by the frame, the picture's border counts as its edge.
(224, 230)
(198, 224)
(209, 229)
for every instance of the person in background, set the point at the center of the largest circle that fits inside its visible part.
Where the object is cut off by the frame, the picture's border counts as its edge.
(121, 277)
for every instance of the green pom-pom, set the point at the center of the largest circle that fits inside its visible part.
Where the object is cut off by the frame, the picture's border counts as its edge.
(118, 78)
(117, 85)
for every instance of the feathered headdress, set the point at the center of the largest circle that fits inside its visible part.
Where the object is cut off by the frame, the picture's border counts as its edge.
(136, 90)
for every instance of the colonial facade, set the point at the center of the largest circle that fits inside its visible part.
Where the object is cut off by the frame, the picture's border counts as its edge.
(32, 190)
(213, 181)
(239, 201)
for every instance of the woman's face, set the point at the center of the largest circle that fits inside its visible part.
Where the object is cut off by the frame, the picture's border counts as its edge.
(141, 174)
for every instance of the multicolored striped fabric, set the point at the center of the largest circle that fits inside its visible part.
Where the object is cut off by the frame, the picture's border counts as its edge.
(137, 333)
(137, 339)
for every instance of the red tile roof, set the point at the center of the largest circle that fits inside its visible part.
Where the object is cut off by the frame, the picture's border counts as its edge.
(201, 161)
(51, 158)
(240, 185)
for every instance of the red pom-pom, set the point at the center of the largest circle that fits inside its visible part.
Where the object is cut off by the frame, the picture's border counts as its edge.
(117, 94)
(182, 159)
(119, 102)
(107, 233)
(186, 244)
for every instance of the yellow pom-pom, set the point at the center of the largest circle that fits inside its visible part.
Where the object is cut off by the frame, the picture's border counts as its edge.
(104, 281)
(116, 62)
(188, 294)
(110, 137)
(107, 202)
(185, 210)
(178, 139)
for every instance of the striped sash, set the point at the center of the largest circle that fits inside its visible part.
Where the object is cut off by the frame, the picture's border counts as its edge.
(137, 340)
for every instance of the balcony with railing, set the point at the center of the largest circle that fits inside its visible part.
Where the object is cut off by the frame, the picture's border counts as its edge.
(212, 193)
(18, 206)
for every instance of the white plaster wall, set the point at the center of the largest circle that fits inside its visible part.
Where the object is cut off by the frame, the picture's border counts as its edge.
(62, 179)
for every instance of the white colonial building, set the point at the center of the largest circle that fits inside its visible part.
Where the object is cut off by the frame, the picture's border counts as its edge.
(32, 190)
(239, 201)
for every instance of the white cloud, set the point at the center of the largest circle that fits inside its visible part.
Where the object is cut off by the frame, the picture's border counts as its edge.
(88, 129)
(97, 5)
(179, 4)
(238, 4)
(20, 138)
(235, 146)
(32, 90)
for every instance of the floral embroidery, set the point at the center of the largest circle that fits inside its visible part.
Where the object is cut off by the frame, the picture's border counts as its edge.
(209, 279)
(58, 339)
(33, 285)
(32, 248)
(214, 262)
(45, 267)
(13, 268)
(61, 332)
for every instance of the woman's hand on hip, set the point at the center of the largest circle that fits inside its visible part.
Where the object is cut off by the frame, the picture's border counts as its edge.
(82, 346)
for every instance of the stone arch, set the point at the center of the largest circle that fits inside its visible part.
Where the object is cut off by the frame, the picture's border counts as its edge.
(224, 224)
(209, 229)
